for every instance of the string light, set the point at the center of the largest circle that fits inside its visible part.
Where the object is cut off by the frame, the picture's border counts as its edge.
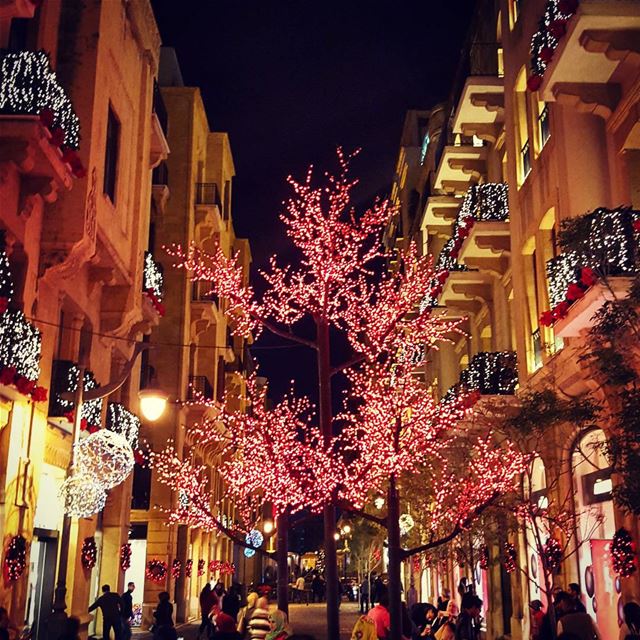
(156, 570)
(188, 568)
(20, 350)
(105, 455)
(125, 556)
(89, 553)
(6, 282)
(489, 373)
(28, 86)
(623, 554)
(65, 379)
(509, 558)
(15, 559)
(122, 421)
(82, 496)
(176, 567)
(552, 554)
(484, 557)
(406, 523)
(201, 565)
(153, 282)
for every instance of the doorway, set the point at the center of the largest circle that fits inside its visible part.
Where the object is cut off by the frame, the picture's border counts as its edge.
(42, 576)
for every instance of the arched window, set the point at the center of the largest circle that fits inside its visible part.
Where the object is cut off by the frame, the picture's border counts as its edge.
(523, 148)
(535, 487)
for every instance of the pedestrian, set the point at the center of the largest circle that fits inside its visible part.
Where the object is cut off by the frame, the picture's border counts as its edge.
(467, 626)
(127, 611)
(316, 587)
(537, 619)
(207, 599)
(164, 617)
(445, 626)
(364, 595)
(380, 616)
(245, 614)
(363, 629)
(443, 600)
(408, 628)
(425, 617)
(259, 622)
(4, 624)
(111, 607)
(225, 628)
(576, 595)
(300, 588)
(377, 589)
(279, 628)
(231, 602)
(630, 628)
(577, 623)
(71, 630)
(219, 592)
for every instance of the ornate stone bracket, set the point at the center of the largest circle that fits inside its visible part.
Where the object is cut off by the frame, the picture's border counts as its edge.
(597, 99)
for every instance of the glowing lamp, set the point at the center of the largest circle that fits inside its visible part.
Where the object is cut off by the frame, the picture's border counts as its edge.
(346, 529)
(268, 526)
(336, 536)
(153, 403)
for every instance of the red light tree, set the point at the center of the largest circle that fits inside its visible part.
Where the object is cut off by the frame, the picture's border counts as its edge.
(389, 421)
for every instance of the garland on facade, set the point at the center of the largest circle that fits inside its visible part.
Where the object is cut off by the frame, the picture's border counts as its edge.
(6, 282)
(484, 557)
(188, 568)
(66, 380)
(509, 558)
(176, 567)
(201, 565)
(15, 559)
(416, 563)
(125, 556)
(222, 566)
(89, 553)
(28, 86)
(623, 554)
(156, 570)
(552, 554)
(551, 30)
(153, 283)
(122, 421)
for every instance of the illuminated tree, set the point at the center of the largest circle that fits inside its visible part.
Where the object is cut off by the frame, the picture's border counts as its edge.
(390, 421)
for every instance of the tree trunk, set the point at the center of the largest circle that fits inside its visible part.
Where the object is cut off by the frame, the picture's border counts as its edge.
(324, 394)
(283, 562)
(393, 528)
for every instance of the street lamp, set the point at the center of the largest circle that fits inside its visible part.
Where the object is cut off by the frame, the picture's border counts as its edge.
(153, 403)
(268, 526)
(336, 536)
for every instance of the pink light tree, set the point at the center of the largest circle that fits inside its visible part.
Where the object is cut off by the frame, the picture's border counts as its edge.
(391, 424)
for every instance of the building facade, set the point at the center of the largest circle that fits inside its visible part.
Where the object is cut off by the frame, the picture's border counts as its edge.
(541, 126)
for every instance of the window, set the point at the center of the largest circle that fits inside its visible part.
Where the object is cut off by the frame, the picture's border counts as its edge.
(425, 148)
(544, 132)
(522, 127)
(111, 156)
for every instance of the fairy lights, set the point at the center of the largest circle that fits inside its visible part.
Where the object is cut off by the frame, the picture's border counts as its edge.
(188, 568)
(65, 379)
(153, 282)
(176, 568)
(89, 553)
(6, 283)
(255, 539)
(15, 559)
(490, 373)
(623, 554)
(484, 557)
(28, 86)
(406, 523)
(82, 496)
(156, 570)
(552, 554)
(509, 558)
(122, 421)
(125, 556)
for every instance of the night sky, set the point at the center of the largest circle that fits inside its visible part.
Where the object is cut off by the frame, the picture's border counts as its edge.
(291, 80)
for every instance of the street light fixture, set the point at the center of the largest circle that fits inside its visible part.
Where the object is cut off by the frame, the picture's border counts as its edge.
(153, 403)
(336, 536)
(268, 526)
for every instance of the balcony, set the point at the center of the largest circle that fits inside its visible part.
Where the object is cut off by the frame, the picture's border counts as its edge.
(199, 387)
(440, 213)
(480, 109)
(484, 216)
(599, 266)
(160, 186)
(460, 166)
(65, 379)
(153, 282)
(159, 122)
(121, 420)
(467, 292)
(17, 9)
(490, 373)
(577, 55)
(20, 347)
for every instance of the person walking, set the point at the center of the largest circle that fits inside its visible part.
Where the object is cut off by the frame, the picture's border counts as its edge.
(537, 619)
(231, 602)
(246, 613)
(316, 586)
(380, 616)
(259, 622)
(630, 628)
(300, 588)
(111, 607)
(207, 599)
(219, 593)
(163, 615)
(467, 626)
(364, 595)
(571, 621)
(576, 595)
(279, 626)
(127, 611)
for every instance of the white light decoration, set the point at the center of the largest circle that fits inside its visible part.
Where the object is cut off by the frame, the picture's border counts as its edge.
(406, 523)
(28, 86)
(66, 380)
(121, 420)
(255, 539)
(20, 345)
(153, 278)
(6, 283)
(379, 502)
(106, 456)
(82, 495)
(488, 373)
(546, 39)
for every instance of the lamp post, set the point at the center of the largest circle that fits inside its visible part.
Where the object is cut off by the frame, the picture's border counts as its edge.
(58, 617)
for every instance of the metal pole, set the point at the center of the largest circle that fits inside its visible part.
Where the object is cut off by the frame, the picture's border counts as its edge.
(57, 620)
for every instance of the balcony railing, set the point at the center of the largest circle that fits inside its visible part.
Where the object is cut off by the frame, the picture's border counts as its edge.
(160, 175)
(121, 420)
(207, 193)
(485, 203)
(153, 278)
(606, 248)
(199, 387)
(160, 109)
(490, 373)
(65, 379)
(28, 86)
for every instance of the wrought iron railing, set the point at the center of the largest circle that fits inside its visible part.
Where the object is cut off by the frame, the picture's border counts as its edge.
(490, 373)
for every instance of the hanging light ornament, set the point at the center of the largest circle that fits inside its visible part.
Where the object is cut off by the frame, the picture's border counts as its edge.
(89, 553)
(509, 560)
(156, 570)
(188, 568)
(552, 554)
(15, 559)
(176, 567)
(623, 556)
(255, 539)
(406, 523)
(82, 495)
(125, 556)
(105, 455)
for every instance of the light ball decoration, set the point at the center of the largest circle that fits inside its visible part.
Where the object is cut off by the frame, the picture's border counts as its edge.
(552, 554)
(255, 539)
(406, 523)
(82, 495)
(15, 559)
(89, 553)
(623, 555)
(379, 502)
(105, 455)
(156, 570)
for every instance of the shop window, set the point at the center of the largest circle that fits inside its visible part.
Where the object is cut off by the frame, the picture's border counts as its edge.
(112, 144)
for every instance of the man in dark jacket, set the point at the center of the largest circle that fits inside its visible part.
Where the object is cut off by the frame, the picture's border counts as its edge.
(467, 626)
(111, 606)
(127, 611)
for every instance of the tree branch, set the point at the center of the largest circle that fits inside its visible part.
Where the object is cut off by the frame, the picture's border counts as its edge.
(382, 522)
(287, 335)
(354, 360)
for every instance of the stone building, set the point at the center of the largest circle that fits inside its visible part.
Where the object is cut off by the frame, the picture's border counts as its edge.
(541, 125)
